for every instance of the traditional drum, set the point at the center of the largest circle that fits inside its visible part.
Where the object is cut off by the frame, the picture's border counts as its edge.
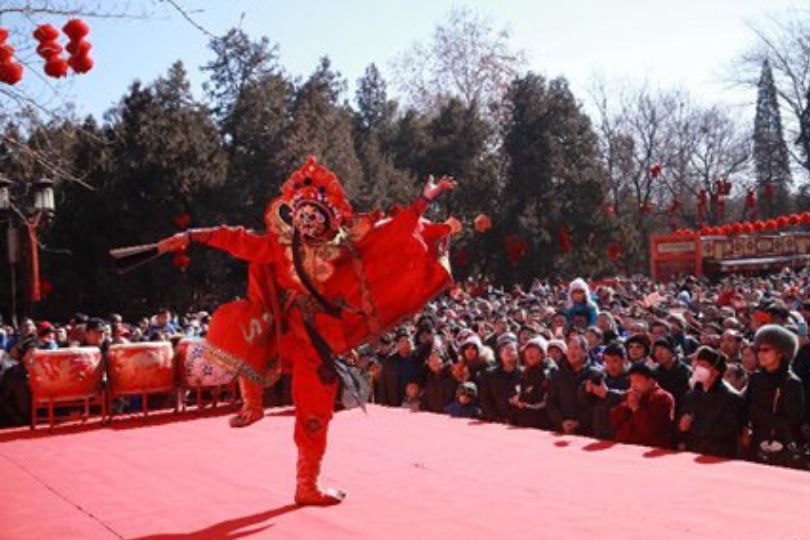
(140, 368)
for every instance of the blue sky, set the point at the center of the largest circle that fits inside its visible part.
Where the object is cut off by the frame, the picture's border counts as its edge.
(688, 44)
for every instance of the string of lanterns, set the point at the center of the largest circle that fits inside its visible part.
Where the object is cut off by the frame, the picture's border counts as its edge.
(50, 50)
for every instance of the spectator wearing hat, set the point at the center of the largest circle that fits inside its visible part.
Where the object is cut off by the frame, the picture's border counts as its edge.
(670, 371)
(439, 384)
(529, 403)
(499, 383)
(565, 410)
(464, 406)
(96, 334)
(639, 348)
(646, 414)
(580, 303)
(774, 398)
(476, 356)
(712, 413)
(46, 336)
(606, 390)
(556, 351)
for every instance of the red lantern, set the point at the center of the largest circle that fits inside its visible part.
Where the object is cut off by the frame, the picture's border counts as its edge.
(736, 228)
(805, 218)
(782, 222)
(181, 260)
(76, 29)
(770, 189)
(614, 252)
(461, 258)
(482, 223)
(81, 64)
(182, 221)
(46, 32)
(747, 228)
(705, 230)
(794, 219)
(771, 225)
(674, 206)
(759, 226)
(11, 73)
(656, 169)
(564, 238)
(79, 49)
(751, 199)
(45, 288)
(56, 68)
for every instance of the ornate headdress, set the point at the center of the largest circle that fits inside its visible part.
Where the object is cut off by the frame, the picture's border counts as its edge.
(315, 184)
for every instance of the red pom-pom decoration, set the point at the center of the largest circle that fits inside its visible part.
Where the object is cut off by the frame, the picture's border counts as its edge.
(482, 223)
(656, 169)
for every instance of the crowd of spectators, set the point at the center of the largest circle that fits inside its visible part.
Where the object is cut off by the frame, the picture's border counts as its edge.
(719, 368)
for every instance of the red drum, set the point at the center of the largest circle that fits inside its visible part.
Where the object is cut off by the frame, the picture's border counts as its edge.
(195, 369)
(141, 368)
(65, 374)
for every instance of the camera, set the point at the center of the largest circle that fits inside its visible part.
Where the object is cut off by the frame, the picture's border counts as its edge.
(597, 378)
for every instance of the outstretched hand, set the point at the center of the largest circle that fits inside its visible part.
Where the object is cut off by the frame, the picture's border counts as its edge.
(435, 188)
(454, 224)
(176, 242)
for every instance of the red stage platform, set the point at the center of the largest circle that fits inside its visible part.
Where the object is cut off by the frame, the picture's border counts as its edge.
(408, 475)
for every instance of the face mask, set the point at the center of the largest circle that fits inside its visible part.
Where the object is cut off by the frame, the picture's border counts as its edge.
(699, 375)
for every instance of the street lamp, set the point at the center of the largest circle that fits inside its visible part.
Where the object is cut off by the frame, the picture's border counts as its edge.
(43, 196)
(5, 195)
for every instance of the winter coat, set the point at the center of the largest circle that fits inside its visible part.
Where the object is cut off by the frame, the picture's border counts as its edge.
(785, 424)
(651, 424)
(497, 387)
(716, 419)
(563, 401)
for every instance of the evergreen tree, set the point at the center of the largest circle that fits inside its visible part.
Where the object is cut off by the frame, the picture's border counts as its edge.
(323, 127)
(555, 181)
(771, 158)
(383, 183)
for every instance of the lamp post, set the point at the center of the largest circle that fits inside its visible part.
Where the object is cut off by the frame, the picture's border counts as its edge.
(24, 214)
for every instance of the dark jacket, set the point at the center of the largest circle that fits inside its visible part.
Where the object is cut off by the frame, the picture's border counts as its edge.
(387, 391)
(801, 367)
(440, 390)
(457, 410)
(716, 419)
(497, 387)
(785, 424)
(675, 380)
(532, 392)
(598, 422)
(563, 401)
(650, 425)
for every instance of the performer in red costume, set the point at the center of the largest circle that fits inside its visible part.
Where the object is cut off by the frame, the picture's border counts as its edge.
(321, 281)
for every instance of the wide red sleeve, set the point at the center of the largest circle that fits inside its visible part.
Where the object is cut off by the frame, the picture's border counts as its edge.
(240, 243)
